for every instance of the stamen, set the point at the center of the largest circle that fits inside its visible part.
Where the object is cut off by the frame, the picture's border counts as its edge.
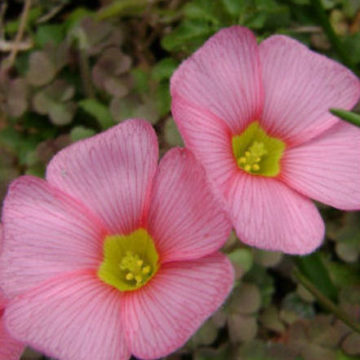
(135, 266)
(129, 276)
(130, 261)
(253, 156)
(256, 152)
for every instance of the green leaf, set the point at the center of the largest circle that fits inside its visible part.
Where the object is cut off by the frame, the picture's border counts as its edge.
(259, 276)
(171, 133)
(141, 80)
(81, 132)
(76, 16)
(53, 33)
(121, 8)
(188, 35)
(233, 7)
(41, 69)
(12, 26)
(163, 99)
(62, 113)
(197, 12)
(348, 116)
(242, 258)
(164, 69)
(344, 274)
(99, 111)
(314, 269)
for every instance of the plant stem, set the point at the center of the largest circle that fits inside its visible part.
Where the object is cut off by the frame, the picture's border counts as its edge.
(19, 35)
(327, 303)
(348, 116)
(85, 73)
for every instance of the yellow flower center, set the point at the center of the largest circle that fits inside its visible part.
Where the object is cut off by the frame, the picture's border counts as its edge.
(256, 152)
(135, 268)
(130, 261)
(252, 157)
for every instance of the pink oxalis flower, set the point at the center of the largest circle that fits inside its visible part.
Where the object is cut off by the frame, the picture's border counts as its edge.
(113, 255)
(10, 349)
(257, 118)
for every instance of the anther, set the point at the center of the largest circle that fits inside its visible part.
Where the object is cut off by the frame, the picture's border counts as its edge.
(129, 276)
(138, 279)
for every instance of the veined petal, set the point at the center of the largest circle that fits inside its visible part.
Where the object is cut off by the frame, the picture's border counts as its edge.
(72, 317)
(210, 141)
(161, 316)
(300, 86)
(184, 220)
(224, 77)
(269, 215)
(111, 173)
(327, 168)
(45, 233)
(10, 349)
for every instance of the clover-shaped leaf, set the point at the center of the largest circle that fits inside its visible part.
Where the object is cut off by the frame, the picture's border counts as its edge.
(108, 71)
(54, 101)
(41, 69)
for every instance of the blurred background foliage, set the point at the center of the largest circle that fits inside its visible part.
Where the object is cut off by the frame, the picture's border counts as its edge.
(70, 69)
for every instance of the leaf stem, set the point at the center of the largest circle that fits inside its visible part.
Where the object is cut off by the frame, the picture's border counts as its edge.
(327, 303)
(348, 116)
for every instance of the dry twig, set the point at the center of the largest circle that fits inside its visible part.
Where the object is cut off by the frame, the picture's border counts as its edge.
(19, 35)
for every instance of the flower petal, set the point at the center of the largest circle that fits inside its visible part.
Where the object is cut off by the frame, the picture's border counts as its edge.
(269, 215)
(210, 141)
(300, 86)
(223, 77)
(184, 220)
(45, 233)
(162, 316)
(10, 349)
(73, 317)
(111, 173)
(327, 168)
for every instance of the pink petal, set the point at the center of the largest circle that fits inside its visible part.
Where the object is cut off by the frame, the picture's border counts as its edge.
(163, 315)
(327, 168)
(72, 317)
(111, 173)
(45, 233)
(300, 87)
(269, 215)
(223, 77)
(210, 141)
(184, 219)
(10, 349)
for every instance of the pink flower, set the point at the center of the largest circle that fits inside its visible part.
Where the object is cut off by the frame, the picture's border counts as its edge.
(10, 349)
(113, 255)
(257, 118)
